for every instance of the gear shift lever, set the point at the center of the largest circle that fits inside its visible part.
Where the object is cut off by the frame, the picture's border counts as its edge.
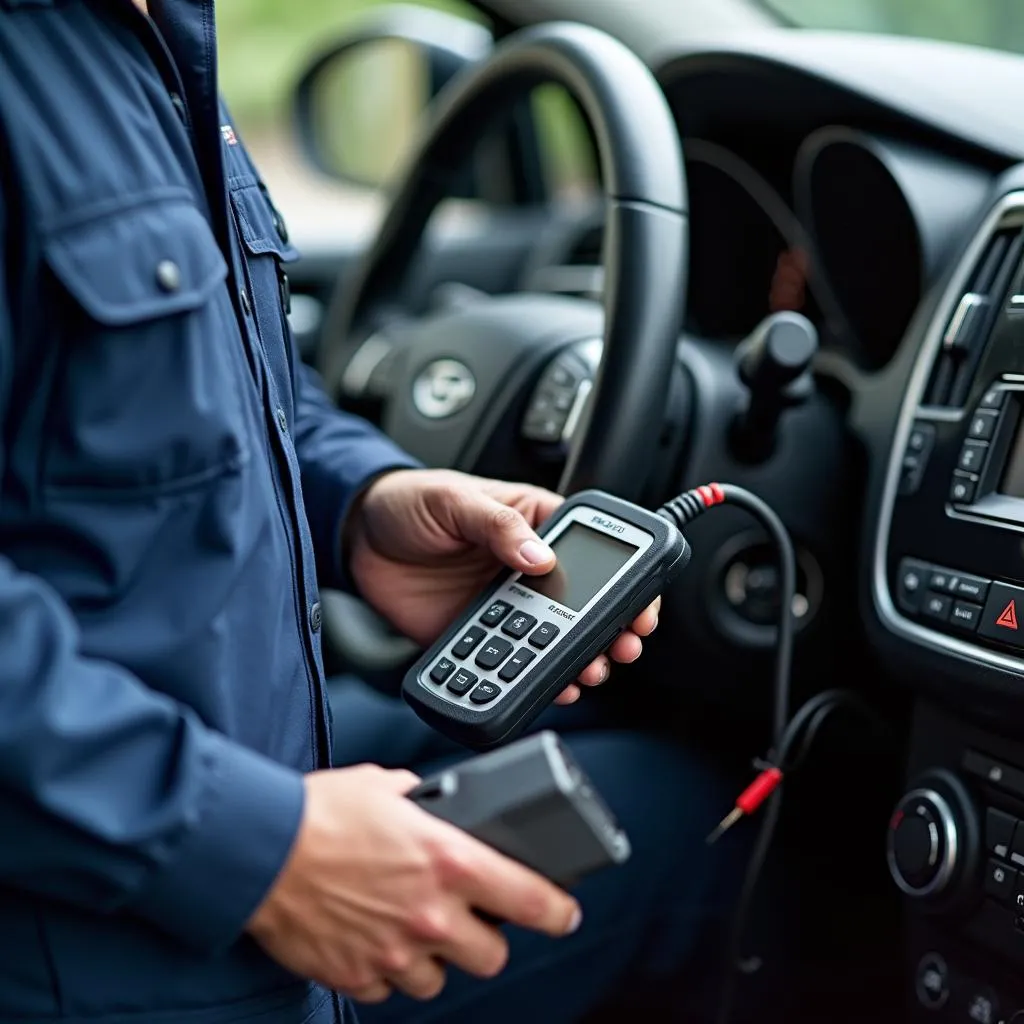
(774, 362)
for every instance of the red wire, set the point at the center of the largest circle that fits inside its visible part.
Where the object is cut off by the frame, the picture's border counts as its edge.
(759, 790)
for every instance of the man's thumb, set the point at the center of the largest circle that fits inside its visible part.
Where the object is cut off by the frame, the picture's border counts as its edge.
(506, 532)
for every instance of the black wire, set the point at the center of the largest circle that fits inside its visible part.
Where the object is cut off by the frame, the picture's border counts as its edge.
(768, 518)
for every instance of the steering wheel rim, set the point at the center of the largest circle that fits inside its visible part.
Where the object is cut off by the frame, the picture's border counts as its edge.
(646, 242)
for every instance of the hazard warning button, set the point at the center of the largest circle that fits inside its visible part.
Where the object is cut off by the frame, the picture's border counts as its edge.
(1003, 616)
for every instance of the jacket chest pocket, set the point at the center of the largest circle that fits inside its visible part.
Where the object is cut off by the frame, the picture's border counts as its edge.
(266, 252)
(147, 395)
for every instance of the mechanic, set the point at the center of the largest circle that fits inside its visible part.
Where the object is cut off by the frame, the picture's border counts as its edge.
(175, 488)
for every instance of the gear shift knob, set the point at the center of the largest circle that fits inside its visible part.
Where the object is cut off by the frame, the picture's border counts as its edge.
(774, 362)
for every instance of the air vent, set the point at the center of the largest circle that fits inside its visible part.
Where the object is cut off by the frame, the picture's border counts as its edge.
(971, 321)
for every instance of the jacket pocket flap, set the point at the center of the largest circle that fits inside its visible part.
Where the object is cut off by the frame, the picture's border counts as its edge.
(139, 262)
(262, 231)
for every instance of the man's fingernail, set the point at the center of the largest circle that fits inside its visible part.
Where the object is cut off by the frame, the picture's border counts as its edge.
(655, 626)
(536, 553)
(605, 672)
(574, 924)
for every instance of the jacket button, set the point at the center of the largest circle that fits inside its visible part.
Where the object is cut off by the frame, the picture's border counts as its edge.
(243, 297)
(282, 420)
(315, 617)
(168, 275)
(282, 228)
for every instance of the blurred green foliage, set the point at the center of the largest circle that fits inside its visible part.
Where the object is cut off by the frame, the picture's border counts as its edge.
(265, 44)
(993, 23)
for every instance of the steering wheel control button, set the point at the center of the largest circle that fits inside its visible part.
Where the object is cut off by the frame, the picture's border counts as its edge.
(495, 613)
(1002, 617)
(999, 828)
(937, 606)
(965, 615)
(519, 625)
(983, 424)
(913, 576)
(1000, 882)
(961, 491)
(462, 682)
(516, 664)
(465, 646)
(931, 982)
(485, 693)
(494, 652)
(442, 670)
(544, 634)
(972, 456)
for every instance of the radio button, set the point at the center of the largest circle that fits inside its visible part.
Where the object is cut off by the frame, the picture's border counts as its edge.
(921, 438)
(983, 424)
(971, 587)
(999, 828)
(516, 664)
(972, 456)
(993, 398)
(912, 579)
(943, 581)
(936, 606)
(965, 615)
(1000, 881)
(519, 625)
(1001, 620)
(962, 490)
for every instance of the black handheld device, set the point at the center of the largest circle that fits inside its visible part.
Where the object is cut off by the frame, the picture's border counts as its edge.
(526, 637)
(532, 802)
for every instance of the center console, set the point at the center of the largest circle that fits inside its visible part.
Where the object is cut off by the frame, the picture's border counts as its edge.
(948, 588)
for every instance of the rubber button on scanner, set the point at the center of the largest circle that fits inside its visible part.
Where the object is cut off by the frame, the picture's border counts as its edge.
(494, 652)
(485, 693)
(462, 682)
(519, 625)
(442, 670)
(496, 611)
(516, 664)
(464, 647)
(544, 634)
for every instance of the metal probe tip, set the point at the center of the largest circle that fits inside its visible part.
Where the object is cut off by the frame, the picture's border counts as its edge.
(725, 824)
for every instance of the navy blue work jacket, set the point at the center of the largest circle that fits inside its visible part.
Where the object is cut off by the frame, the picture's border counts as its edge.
(172, 483)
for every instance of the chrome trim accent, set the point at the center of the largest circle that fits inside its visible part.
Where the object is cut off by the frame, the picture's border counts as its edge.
(945, 872)
(576, 411)
(968, 302)
(1009, 211)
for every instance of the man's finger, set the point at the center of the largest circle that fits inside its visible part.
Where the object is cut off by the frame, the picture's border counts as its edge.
(474, 946)
(375, 993)
(487, 522)
(596, 672)
(423, 980)
(569, 695)
(510, 892)
(647, 621)
(627, 648)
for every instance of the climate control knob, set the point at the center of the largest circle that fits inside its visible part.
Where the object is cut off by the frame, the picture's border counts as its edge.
(924, 843)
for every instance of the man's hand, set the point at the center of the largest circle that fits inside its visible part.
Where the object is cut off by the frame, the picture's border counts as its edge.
(377, 894)
(423, 543)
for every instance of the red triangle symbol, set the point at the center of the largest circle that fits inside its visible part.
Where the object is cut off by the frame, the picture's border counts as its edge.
(1008, 618)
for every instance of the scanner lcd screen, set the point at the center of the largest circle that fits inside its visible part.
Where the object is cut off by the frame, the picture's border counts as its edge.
(587, 560)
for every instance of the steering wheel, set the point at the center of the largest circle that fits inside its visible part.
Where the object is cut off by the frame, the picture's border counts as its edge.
(519, 366)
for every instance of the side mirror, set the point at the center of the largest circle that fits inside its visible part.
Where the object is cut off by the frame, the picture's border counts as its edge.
(359, 103)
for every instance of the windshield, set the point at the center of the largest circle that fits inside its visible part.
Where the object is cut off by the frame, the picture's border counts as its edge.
(995, 23)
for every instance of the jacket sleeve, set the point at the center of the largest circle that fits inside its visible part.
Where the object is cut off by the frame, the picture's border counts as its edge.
(339, 454)
(114, 797)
